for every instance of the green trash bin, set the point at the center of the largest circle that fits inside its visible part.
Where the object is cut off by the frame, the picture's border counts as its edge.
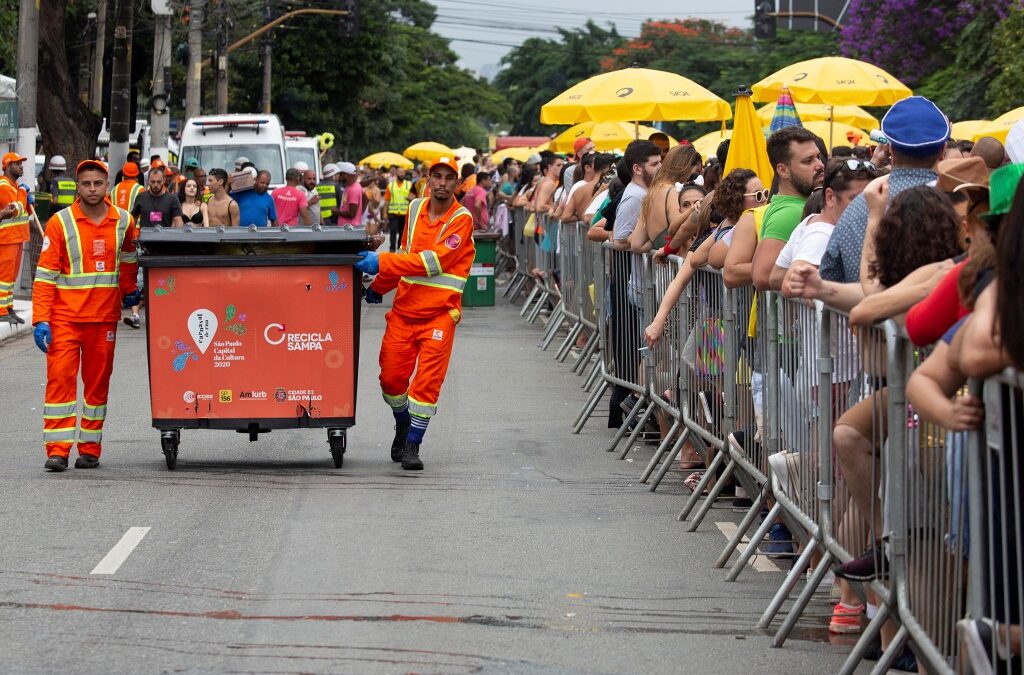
(480, 287)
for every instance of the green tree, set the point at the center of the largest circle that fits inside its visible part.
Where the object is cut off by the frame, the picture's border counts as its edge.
(540, 69)
(1004, 93)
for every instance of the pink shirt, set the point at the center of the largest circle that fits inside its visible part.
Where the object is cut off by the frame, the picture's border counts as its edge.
(476, 201)
(288, 200)
(353, 195)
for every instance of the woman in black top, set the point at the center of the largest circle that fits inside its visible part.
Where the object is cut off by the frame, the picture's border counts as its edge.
(193, 209)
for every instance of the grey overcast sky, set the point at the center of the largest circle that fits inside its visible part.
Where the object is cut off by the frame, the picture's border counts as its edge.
(482, 31)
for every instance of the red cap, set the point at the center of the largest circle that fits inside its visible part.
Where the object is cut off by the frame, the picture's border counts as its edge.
(11, 157)
(91, 164)
(157, 163)
(130, 170)
(445, 161)
(579, 143)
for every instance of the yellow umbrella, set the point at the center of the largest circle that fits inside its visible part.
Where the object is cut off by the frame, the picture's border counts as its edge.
(835, 134)
(381, 160)
(428, 151)
(967, 129)
(748, 149)
(606, 136)
(808, 112)
(634, 94)
(834, 80)
(708, 144)
(518, 154)
(1000, 126)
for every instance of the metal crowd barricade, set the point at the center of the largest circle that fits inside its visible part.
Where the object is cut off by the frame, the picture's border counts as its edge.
(589, 254)
(545, 272)
(522, 278)
(995, 509)
(705, 370)
(569, 270)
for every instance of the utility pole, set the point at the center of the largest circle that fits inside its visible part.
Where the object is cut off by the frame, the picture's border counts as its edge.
(122, 117)
(160, 101)
(96, 90)
(28, 81)
(268, 52)
(222, 58)
(193, 84)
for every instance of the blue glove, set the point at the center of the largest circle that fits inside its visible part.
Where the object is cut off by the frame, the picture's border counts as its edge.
(369, 262)
(131, 299)
(373, 297)
(28, 193)
(42, 336)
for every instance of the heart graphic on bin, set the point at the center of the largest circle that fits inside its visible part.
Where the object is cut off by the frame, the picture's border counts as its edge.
(202, 326)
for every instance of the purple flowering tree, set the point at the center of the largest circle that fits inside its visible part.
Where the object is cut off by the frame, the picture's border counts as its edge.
(911, 38)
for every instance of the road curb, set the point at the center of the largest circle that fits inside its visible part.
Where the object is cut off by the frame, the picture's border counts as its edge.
(9, 331)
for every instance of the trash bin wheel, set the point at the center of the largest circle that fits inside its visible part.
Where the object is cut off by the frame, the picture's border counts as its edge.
(337, 440)
(169, 444)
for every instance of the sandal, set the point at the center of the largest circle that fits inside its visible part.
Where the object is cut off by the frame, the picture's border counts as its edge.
(693, 480)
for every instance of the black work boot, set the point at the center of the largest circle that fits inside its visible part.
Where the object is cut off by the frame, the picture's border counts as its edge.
(411, 457)
(55, 463)
(14, 315)
(87, 462)
(401, 433)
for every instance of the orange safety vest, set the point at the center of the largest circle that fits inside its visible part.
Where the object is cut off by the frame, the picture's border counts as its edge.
(125, 193)
(431, 270)
(84, 267)
(14, 230)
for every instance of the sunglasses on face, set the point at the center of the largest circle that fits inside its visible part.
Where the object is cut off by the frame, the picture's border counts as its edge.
(761, 196)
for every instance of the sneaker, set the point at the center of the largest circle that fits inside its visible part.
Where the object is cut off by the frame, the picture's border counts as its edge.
(846, 620)
(411, 457)
(87, 462)
(867, 567)
(398, 445)
(906, 661)
(133, 321)
(780, 542)
(55, 463)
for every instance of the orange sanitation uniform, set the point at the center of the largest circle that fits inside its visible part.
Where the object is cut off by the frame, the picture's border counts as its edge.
(430, 272)
(125, 193)
(84, 269)
(13, 233)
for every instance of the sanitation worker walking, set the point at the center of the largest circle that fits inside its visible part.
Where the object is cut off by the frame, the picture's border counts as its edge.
(86, 274)
(430, 272)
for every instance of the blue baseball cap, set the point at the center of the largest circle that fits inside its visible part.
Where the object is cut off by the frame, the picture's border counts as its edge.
(915, 126)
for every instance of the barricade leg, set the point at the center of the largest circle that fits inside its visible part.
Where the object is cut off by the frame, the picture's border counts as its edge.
(702, 484)
(804, 598)
(590, 407)
(755, 541)
(798, 569)
(620, 434)
(538, 305)
(586, 354)
(563, 349)
(638, 429)
(713, 496)
(869, 636)
(662, 447)
(667, 464)
(743, 528)
(514, 286)
(554, 323)
(534, 292)
(595, 375)
(892, 653)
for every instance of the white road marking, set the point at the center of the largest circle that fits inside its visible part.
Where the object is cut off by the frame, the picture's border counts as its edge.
(122, 549)
(758, 562)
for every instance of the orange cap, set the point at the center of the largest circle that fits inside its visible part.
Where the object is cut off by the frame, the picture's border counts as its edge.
(445, 161)
(11, 157)
(91, 164)
(157, 163)
(130, 170)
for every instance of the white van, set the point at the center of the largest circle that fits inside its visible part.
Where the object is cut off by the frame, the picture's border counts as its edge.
(303, 148)
(218, 140)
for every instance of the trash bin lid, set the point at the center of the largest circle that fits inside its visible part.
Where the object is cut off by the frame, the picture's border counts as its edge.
(487, 236)
(244, 235)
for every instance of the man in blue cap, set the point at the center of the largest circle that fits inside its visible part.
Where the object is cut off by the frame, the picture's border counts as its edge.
(917, 132)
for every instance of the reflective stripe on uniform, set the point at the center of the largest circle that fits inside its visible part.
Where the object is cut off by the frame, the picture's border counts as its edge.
(448, 282)
(59, 410)
(46, 276)
(88, 280)
(128, 257)
(396, 402)
(431, 262)
(66, 192)
(421, 409)
(328, 198)
(59, 435)
(94, 412)
(89, 436)
(77, 278)
(398, 205)
(458, 212)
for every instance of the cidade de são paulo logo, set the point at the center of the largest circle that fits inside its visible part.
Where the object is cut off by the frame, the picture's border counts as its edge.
(277, 334)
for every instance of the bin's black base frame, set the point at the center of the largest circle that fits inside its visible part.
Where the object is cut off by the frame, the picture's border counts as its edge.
(265, 424)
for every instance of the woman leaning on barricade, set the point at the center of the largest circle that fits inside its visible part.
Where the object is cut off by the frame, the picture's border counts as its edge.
(660, 214)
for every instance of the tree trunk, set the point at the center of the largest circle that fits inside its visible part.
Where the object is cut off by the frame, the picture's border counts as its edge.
(67, 126)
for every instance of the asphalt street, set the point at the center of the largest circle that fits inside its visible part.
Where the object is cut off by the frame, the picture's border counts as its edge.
(520, 549)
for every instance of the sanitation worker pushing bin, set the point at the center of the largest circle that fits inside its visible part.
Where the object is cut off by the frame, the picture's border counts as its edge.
(86, 274)
(430, 272)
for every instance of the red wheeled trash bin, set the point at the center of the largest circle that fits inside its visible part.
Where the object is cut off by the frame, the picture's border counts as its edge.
(252, 330)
